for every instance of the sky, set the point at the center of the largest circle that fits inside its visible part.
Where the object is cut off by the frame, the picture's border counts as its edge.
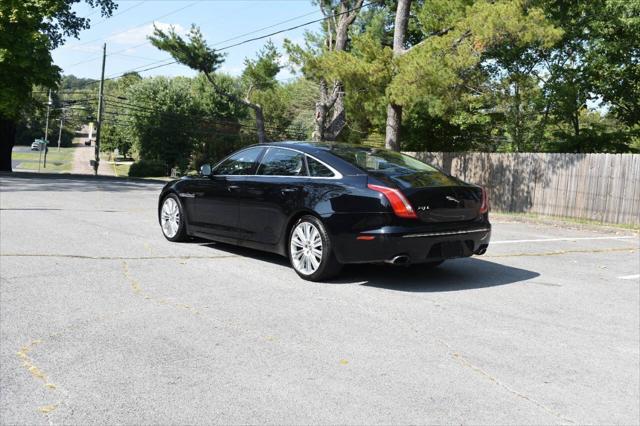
(128, 49)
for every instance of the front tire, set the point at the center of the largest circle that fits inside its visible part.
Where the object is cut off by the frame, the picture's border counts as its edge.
(172, 219)
(310, 250)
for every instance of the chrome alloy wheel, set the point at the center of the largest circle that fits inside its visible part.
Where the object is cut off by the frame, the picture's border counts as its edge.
(170, 217)
(306, 248)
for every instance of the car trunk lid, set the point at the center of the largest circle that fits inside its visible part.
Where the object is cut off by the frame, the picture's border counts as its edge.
(437, 197)
(446, 203)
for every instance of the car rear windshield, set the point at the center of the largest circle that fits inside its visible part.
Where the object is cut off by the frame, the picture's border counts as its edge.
(381, 160)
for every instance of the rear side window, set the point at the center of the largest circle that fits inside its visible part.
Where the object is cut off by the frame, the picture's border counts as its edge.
(381, 160)
(240, 163)
(317, 169)
(282, 162)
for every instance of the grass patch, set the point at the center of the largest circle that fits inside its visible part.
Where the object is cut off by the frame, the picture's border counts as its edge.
(57, 161)
(122, 169)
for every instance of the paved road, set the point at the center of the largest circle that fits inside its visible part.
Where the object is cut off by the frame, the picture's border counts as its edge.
(82, 157)
(103, 321)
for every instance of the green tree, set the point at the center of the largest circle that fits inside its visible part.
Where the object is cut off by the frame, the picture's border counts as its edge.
(114, 137)
(162, 124)
(29, 30)
(330, 112)
(594, 62)
(440, 72)
(197, 55)
(173, 122)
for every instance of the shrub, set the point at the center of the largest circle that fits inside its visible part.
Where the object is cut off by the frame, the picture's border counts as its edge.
(145, 168)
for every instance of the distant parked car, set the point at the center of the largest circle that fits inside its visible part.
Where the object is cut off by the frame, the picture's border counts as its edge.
(35, 146)
(327, 204)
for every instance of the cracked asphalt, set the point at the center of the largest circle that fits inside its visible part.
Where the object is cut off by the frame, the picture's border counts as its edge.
(104, 321)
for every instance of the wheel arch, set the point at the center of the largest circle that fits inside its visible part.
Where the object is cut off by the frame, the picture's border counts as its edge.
(163, 195)
(172, 191)
(283, 247)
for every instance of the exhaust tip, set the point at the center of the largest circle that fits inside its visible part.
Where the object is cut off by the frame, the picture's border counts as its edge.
(481, 250)
(401, 259)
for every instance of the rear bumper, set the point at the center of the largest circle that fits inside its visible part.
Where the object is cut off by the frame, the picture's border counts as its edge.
(383, 244)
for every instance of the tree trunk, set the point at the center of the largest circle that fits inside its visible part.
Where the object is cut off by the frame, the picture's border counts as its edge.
(394, 112)
(7, 140)
(339, 118)
(319, 121)
(394, 119)
(321, 112)
(342, 31)
(517, 137)
(262, 135)
(347, 13)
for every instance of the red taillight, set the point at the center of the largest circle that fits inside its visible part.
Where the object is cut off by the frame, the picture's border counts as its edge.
(400, 205)
(484, 207)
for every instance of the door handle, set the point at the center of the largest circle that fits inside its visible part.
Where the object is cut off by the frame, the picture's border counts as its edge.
(288, 190)
(233, 187)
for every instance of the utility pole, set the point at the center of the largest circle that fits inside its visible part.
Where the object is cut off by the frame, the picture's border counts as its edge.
(96, 162)
(60, 132)
(46, 133)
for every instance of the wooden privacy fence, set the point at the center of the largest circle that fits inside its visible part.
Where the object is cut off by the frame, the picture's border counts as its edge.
(601, 187)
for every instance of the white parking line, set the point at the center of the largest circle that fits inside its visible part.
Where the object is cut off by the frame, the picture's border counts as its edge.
(541, 240)
(629, 277)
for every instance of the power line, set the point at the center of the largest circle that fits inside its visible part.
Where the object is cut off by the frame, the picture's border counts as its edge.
(145, 66)
(211, 131)
(217, 43)
(118, 53)
(181, 117)
(262, 37)
(286, 21)
(140, 3)
(139, 69)
(224, 1)
(133, 28)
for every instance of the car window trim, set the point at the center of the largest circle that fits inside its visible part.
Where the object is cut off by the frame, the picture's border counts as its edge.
(336, 174)
(256, 163)
(266, 152)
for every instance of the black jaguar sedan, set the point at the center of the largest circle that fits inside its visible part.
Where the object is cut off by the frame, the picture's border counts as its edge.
(327, 204)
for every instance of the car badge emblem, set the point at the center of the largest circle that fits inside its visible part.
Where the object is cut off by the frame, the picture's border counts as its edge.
(423, 208)
(450, 198)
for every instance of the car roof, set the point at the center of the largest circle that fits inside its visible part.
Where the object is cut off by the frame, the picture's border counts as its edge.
(322, 151)
(313, 147)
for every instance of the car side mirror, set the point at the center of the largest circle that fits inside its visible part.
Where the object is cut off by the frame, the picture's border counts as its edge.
(205, 170)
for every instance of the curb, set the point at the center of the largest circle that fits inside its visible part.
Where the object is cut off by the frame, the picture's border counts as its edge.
(71, 176)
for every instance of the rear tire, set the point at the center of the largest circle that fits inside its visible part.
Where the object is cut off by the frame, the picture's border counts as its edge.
(310, 250)
(172, 219)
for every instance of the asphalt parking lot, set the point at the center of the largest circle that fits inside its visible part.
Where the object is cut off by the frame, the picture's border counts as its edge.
(104, 321)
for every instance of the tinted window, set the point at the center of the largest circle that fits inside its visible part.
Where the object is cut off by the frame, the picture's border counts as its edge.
(240, 163)
(282, 162)
(381, 160)
(318, 169)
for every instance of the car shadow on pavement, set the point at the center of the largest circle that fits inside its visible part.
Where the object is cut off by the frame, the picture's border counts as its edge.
(243, 251)
(452, 275)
